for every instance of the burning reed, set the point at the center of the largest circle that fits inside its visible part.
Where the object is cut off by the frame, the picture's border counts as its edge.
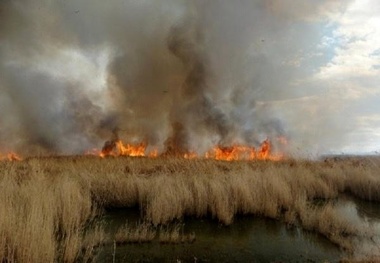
(49, 201)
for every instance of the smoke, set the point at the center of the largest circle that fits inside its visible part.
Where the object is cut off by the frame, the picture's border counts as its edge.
(178, 75)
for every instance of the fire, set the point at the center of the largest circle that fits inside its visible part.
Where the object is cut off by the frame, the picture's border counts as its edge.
(10, 157)
(130, 150)
(232, 153)
(241, 152)
(264, 150)
(153, 154)
(118, 148)
(190, 155)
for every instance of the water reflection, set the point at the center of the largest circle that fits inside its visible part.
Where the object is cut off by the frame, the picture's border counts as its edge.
(248, 239)
(365, 215)
(366, 210)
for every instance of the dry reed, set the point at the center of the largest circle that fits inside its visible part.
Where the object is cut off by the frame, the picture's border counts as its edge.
(145, 233)
(174, 234)
(141, 233)
(43, 217)
(47, 202)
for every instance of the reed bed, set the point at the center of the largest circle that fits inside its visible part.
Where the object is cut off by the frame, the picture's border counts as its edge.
(141, 233)
(43, 218)
(145, 232)
(46, 203)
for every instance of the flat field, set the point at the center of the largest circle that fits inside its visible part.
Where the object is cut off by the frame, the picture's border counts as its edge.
(48, 204)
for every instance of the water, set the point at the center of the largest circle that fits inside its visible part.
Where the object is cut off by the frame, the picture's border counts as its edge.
(248, 239)
(364, 210)
(366, 216)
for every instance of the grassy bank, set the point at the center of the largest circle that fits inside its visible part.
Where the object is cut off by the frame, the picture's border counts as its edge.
(47, 203)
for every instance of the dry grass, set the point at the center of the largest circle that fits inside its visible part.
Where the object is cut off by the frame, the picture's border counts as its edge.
(145, 233)
(174, 234)
(45, 203)
(330, 223)
(43, 217)
(141, 233)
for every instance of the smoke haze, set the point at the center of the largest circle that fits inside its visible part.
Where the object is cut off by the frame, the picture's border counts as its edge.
(176, 74)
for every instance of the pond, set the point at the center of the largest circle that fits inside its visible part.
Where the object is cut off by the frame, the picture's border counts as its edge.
(248, 239)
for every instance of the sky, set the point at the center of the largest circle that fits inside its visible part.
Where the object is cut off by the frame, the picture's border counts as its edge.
(195, 73)
(343, 89)
(351, 75)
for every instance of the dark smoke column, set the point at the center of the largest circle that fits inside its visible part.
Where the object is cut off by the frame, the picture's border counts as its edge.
(194, 110)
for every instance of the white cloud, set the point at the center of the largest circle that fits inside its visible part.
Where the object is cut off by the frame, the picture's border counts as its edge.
(357, 41)
(366, 138)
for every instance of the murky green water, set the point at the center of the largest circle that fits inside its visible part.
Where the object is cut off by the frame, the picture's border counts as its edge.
(359, 209)
(365, 216)
(248, 239)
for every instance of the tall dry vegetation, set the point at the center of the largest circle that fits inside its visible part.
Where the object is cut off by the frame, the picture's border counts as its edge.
(43, 217)
(46, 203)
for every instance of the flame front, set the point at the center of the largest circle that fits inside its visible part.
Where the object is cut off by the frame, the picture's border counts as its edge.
(131, 150)
(233, 153)
(10, 157)
(242, 152)
(118, 148)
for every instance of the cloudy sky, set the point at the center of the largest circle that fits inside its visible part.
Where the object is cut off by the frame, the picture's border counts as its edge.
(71, 71)
(350, 77)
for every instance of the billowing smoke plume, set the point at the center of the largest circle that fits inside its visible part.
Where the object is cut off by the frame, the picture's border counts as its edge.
(178, 75)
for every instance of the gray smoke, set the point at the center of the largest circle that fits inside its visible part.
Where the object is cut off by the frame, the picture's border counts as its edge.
(179, 75)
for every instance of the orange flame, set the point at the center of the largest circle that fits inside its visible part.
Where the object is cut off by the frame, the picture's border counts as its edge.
(232, 153)
(153, 153)
(130, 150)
(10, 157)
(118, 148)
(264, 152)
(190, 155)
(241, 152)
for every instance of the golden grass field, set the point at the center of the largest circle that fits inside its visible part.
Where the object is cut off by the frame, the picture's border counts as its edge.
(47, 204)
